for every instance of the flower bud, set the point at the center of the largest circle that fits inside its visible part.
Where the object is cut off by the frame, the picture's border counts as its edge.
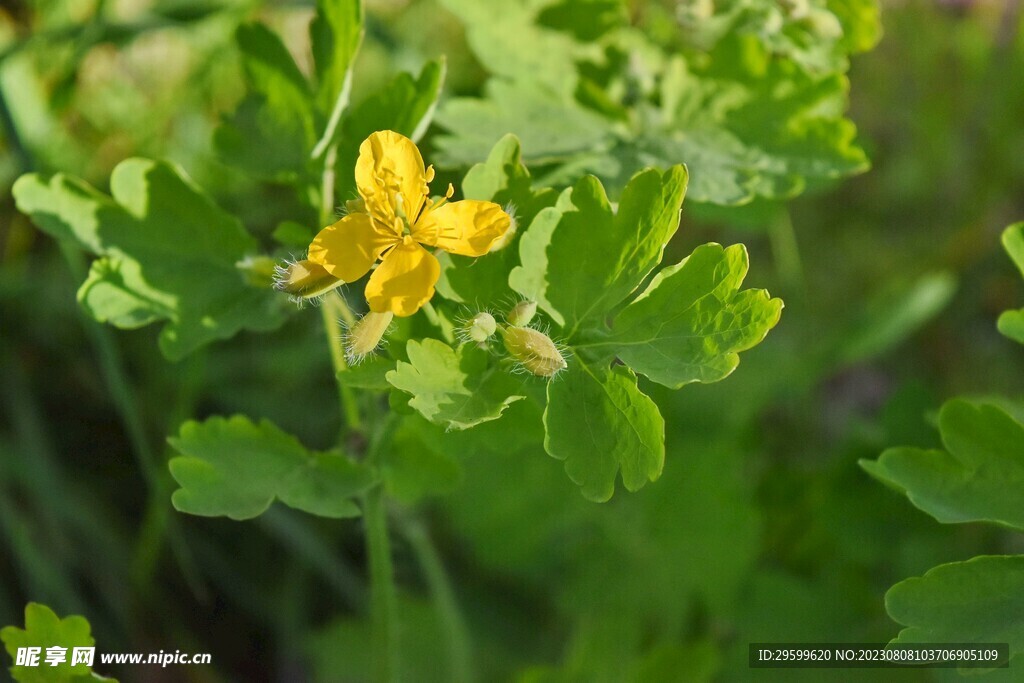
(506, 237)
(795, 9)
(823, 24)
(522, 313)
(364, 337)
(481, 327)
(259, 271)
(534, 350)
(694, 12)
(355, 206)
(304, 279)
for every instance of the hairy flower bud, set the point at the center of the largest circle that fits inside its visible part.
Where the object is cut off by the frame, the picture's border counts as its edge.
(694, 12)
(522, 313)
(355, 206)
(259, 271)
(507, 236)
(304, 279)
(481, 327)
(364, 337)
(823, 24)
(795, 9)
(534, 350)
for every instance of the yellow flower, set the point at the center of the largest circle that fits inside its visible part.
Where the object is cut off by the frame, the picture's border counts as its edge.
(398, 221)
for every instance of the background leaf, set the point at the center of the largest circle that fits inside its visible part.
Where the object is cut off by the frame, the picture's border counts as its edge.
(891, 315)
(167, 253)
(1011, 323)
(271, 133)
(412, 470)
(552, 129)
(980, 600)
(980, 476)
(235, 468)
(370, 373)
(749, 94)
(44, 629)
(335, 35)
(508, 41)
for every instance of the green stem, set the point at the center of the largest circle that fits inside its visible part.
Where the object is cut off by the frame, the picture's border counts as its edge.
(325, 143)
(330, 311)
(787, 252)
(334, 309)
(383, 597)
(157, 522)
(459, 646)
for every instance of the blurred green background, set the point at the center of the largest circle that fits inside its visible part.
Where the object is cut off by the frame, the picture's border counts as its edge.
(762, 527)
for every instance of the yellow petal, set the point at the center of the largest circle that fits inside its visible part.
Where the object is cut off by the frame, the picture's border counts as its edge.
(348, 248)
(468, 227)
(404, 280)
(390, 171)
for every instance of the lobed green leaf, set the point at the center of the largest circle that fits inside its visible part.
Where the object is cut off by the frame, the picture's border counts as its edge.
(580, 263)
(601, 424)
(454, 388)
(504, 180)
(693, 320)
(236, 468)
